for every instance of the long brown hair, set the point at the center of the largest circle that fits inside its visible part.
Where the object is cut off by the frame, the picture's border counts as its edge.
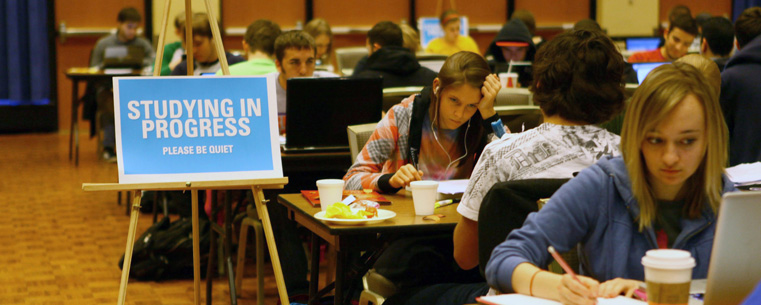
(462, 68)
(659, 94)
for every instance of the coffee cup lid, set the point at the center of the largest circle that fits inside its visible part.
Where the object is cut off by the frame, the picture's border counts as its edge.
(668, 259)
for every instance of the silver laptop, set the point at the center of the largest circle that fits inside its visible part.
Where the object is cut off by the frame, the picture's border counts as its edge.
(735, 266)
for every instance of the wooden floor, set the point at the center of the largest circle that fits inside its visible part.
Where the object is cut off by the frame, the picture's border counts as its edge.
(61, 245)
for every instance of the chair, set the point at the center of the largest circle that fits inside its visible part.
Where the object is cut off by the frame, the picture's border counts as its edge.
(431, 61)
(505, 207)
(514, 97)
(358, 136)
(347, 58)
(394, 95)
(520, 118)
(251, 219)
(376, 290)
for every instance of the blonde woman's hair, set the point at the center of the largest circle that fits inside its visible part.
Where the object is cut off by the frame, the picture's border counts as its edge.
(707, 67)
(410, 37)
(317, 27)
(659, 94)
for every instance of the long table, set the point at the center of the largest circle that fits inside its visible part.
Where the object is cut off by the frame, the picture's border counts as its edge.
(351, 239)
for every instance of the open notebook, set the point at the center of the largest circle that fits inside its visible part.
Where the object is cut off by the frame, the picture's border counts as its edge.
(520, 299)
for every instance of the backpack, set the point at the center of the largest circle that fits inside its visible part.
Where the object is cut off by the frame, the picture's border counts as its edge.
(165, 250)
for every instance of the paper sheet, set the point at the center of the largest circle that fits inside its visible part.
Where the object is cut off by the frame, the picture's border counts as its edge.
(745, 173)
(520, 299)
(453, 186)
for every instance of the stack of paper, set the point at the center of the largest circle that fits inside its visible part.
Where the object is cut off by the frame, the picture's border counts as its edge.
(745, 174)
(452, 189)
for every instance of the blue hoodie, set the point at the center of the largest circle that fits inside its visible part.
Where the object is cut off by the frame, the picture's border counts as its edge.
(741, 103)
(598, 210)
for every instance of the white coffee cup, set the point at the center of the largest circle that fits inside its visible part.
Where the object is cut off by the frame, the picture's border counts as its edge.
(424, 196)
(668, 273)
(331, 191)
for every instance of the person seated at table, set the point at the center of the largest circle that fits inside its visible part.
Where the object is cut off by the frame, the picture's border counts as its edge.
(323, 41)
(259, 45)
(174, 51)
(513, 43)
(388, 59)
(573, 101)
(205, 57)
(452, 42)
(678, 38)
(434, 135)
(410, 38)
(663, 193)
(718, 38)
(126, 35)
(295, 53)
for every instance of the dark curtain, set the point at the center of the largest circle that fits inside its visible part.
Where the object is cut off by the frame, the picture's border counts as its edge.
(24, 62)
(740, 5)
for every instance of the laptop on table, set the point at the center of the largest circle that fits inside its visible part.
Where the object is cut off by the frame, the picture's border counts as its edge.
(643, 69)
(123, 57)
(318, 110)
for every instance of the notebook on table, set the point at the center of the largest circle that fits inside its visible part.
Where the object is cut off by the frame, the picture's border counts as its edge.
(318, 110)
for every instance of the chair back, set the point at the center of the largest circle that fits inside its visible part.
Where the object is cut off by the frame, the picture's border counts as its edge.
(505, 208)
(514, 97)
(520, 118)
(347, 58)
(394, 95)
(358, 136)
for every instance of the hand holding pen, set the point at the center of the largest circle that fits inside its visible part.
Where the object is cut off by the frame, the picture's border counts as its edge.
(575, 289)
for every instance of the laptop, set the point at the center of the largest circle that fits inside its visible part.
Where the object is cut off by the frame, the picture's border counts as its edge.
(735, 266)
(642, 43)
(643, 69)
(318, 110)
(123, 57)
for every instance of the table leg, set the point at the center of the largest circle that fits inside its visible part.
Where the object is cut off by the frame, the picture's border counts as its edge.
(341, 269)
(74, 112)
(228, 247)
(128, 251)
(315, 272)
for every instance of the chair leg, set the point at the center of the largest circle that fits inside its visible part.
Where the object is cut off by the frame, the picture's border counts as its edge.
(259, 230)
(241, 253)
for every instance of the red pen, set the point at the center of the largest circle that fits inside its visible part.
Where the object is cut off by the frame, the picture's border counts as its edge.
(563, 264)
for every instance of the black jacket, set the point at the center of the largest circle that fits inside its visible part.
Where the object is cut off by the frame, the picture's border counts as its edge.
(741, 103)
(514, 31)
(398, 67)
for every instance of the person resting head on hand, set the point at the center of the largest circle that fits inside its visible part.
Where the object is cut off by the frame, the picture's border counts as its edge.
(664, 192)
(434, 135)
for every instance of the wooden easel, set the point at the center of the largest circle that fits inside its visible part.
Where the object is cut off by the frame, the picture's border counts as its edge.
(256, 185)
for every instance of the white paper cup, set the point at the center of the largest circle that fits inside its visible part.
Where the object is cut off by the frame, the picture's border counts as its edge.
(424, 196)
(331, 191)
(668, 274)
(502, 79)
(508, 80)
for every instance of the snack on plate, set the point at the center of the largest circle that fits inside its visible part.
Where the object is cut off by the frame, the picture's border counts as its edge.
(370, 207)
(342, 211)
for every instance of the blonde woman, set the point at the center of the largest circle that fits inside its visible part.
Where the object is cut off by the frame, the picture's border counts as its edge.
(663, 193)
(452, 42)
(323, 40)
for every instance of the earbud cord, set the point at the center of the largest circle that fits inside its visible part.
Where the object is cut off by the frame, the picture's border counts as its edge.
(435, 137)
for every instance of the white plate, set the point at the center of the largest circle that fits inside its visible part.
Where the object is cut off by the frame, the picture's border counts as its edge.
(382, 216)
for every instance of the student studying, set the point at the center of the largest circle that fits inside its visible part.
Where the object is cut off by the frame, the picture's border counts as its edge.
(434, 135)
(663, 193)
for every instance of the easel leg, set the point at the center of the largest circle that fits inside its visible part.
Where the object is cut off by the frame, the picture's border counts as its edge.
(264, 215)
(196, 250)
(128, 251)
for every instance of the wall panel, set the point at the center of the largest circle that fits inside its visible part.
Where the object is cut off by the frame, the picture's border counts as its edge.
(714, 7)
(555, 12)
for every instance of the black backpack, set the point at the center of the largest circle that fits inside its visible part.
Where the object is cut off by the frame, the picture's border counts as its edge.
(165, 250)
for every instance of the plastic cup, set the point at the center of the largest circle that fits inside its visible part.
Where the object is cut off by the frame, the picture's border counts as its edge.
(424, 196)
(331, 191)
(668, 274)
(508, 80)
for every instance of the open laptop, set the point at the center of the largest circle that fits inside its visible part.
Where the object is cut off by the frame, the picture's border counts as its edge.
(642, 43)
(643, 69)
(123, 57)
(318, 110)
(735, 266)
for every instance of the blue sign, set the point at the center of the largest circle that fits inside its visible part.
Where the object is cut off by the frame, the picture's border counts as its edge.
(177, 129)
(430, 29)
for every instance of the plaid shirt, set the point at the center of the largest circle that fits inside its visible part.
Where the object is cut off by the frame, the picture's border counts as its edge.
(384, 152)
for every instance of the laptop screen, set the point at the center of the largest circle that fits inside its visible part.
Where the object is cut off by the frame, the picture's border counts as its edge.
(643, 69)
(123, 57)
(642, 43)
(318, 110)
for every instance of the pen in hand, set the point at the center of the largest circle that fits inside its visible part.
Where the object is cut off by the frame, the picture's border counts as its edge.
(563, 264)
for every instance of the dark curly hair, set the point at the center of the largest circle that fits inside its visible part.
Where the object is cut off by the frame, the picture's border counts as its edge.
(577, 75)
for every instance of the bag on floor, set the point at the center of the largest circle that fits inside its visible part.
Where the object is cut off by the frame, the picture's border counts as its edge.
(165, 250)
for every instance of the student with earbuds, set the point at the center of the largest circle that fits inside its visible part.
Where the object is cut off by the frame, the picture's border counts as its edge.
(434, 135)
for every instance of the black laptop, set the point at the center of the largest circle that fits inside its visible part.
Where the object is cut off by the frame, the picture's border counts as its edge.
(123, 57)
(318, 110)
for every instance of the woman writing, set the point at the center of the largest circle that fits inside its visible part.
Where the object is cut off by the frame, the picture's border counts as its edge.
(434, 135)
(662, 193)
